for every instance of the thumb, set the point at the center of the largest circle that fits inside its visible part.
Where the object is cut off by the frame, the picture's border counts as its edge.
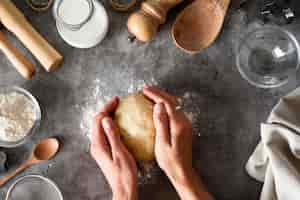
(161, 123)
(112, 134)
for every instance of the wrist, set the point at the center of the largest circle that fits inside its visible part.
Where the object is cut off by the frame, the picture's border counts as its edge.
(189, 186)
(179, 176)
(122, 194)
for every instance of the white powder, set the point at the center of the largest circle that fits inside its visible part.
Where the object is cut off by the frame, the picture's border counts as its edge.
(100, 92)
(17, 116)
(189, 105)
(74, 12)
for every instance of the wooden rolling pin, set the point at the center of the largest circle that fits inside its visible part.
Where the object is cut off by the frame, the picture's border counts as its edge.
(144, 23)
(19, 61)
(12, 18)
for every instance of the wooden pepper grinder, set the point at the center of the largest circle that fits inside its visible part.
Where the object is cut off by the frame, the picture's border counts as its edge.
(144, 23)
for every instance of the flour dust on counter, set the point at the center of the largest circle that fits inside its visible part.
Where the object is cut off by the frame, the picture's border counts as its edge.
(99, 94)
(188, 104)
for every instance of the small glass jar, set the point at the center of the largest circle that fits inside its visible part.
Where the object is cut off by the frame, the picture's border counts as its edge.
(67, 18)
(81, 23)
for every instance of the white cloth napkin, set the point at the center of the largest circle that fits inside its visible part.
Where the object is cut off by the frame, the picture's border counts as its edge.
(276, 159)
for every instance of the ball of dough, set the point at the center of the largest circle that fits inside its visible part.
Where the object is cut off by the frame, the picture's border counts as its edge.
(134, 116)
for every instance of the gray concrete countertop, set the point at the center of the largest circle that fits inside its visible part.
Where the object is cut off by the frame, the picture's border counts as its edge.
(230, 109)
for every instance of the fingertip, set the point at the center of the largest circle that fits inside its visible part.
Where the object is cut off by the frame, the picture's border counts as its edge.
(147, 93)
(146, 90)
(109, 127)
(112, 134)
(146, 87)
(158, 108)
(106, 123)
(98, 117)
(161, 123)
(97, 124)
(160, 115)
(97, 120)
(115, 99)
(149, 89)
(110, 106)
(97, 137)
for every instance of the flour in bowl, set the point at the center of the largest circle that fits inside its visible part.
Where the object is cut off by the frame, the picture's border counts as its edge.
(17, 116)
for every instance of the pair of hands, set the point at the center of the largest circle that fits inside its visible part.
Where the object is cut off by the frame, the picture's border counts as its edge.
(173, 149)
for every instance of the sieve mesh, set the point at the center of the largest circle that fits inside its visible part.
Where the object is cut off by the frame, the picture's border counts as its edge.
(34, 187)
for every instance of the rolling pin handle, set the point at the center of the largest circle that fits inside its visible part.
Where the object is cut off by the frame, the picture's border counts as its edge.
(19, 61)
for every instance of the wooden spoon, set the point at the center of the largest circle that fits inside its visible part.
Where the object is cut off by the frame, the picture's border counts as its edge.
(44, 151)
(199, 24)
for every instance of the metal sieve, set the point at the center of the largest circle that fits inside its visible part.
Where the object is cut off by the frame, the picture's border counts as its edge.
(33, 187)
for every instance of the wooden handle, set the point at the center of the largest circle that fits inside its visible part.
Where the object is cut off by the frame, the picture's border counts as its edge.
(22, 64)
(12, 18)
(6, 178)
(144, 23)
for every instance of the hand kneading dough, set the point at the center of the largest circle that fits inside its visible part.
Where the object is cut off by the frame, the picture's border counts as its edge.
(134, 117)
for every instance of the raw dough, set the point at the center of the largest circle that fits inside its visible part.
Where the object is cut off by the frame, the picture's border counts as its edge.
(134, 117)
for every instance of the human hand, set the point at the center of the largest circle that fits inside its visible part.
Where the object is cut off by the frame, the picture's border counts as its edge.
(115, 161)
(173, 134)
(173, 145)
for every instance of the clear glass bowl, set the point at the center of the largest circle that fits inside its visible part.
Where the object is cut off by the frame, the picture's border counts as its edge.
(6, 89)
(268, 57)
(33, 187)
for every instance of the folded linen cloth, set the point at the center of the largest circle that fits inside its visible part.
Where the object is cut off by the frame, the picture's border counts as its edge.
(276, 159)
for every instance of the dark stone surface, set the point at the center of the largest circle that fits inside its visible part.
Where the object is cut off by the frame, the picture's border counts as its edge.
(231, 109)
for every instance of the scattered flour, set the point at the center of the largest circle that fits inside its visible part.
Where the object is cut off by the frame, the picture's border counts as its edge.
(91, 106)
(17, 116)
(189, 105)
(99, 93)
